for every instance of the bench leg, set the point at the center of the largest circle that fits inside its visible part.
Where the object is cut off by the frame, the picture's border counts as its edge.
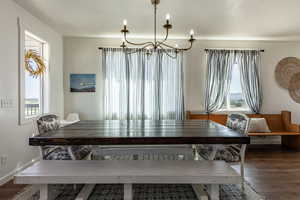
(213, 191)
(44, 192)
(128, 192)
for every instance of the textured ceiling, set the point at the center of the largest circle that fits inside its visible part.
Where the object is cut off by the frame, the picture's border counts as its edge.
(228, 19)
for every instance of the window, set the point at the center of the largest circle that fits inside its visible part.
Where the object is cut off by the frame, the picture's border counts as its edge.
(33, 88)
(140, 87)
(235, 100)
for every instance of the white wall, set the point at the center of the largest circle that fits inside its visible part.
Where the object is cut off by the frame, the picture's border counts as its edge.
(14, 138)
(82, 56)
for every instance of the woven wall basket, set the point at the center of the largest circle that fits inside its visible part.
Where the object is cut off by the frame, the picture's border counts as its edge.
(295, 94)
(295, 82)
(285, 70)
(294, 88)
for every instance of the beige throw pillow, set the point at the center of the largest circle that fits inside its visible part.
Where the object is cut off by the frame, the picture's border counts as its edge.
(258, 125)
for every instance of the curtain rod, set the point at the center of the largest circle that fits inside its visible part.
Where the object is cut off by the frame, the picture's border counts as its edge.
(261, 50)
(101, 48)
(237, 49)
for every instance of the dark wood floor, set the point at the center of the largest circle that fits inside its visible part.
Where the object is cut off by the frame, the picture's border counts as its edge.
(273, 171)
(9, 190)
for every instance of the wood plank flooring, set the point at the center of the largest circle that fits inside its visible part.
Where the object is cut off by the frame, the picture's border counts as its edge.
(9, 190)
(273, 171)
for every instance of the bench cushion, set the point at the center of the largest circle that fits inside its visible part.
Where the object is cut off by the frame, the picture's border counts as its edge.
(258, 125)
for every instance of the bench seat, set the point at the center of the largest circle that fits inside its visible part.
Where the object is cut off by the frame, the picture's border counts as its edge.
(274, 133)
(279, 125)
(130, 172)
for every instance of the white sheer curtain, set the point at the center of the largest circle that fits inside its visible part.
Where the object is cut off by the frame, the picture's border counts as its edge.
(138, 86)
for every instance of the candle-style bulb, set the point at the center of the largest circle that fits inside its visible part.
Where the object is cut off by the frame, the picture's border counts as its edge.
(176, 45)
(192, 32)
(168, 17)
(125, 22)
(123, 40)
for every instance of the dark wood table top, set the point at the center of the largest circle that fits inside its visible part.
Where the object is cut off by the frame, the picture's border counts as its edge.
(137, 132)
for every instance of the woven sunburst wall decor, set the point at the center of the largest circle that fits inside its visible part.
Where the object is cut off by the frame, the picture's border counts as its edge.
(34, 63)
(287, 75)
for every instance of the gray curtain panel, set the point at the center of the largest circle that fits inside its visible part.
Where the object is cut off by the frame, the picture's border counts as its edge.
(249, 62)
(138, 86)
(218, 78)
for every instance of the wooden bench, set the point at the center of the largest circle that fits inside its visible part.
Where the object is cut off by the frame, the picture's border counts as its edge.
(128, 172)
(279, 124)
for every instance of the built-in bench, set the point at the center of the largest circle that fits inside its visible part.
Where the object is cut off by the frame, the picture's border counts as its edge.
(279, 124)
(128, 172)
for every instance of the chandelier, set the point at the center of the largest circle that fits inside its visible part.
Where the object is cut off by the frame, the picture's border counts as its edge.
(156, 44)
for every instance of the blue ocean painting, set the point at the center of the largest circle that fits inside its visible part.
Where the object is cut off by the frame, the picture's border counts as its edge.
(83, 82)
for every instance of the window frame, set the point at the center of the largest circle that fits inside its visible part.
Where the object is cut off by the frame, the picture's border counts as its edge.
(23, 119)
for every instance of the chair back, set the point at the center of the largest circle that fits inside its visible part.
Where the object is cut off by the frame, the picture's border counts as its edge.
(46, 123)
(238, 122)
(72, 117)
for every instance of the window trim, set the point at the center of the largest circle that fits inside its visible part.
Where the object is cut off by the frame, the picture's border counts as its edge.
(21, 75)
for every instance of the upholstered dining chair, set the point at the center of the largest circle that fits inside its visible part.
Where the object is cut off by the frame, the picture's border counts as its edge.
(50, 122)
(233, 153)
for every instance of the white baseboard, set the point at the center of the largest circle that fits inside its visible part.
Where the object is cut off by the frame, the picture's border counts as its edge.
(11, 174)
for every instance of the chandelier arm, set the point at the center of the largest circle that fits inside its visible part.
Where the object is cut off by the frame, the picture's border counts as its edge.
(166, 37)
(169, 46)
(167, 53)
(136, 44)
(145, 47)
(178, 49)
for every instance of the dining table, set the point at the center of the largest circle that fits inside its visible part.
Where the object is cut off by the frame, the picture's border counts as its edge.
(127, 134)
(140, 132)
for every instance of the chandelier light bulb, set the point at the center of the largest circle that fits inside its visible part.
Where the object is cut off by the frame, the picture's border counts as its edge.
(192, 32)
(125, 22)
(176, 45)
(168, 16)
(123, 39)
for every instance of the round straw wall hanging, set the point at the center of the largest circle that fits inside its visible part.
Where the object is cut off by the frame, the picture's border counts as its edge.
(294, 88)
(285, 69)
(287, 75)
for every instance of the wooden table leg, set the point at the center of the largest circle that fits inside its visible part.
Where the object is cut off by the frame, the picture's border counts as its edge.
(128, 192)
(44, 192)
(213, 191)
